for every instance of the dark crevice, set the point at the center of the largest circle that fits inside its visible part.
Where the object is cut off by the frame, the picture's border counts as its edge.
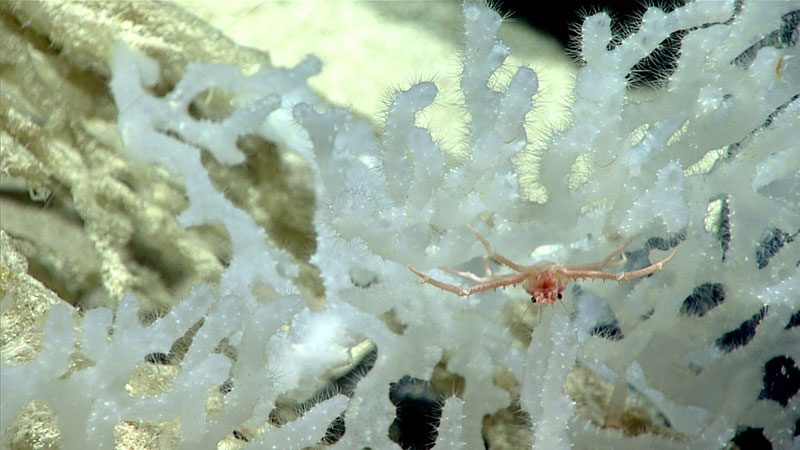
(724, 229)
(668, 243)
(419, 412)
(781, 380)
(608, 330)
(771, 243)
(741, 336)
(751, 438)
(794, 321)
(703, 299)
(783, 37)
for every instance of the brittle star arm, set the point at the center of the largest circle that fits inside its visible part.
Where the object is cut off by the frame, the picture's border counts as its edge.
(576, 272)
(496, 282)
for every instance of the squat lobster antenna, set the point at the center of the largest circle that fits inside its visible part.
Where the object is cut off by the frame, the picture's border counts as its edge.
(545, 280)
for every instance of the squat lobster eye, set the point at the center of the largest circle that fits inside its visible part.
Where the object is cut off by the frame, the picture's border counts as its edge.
(544, 280)
(533, 299)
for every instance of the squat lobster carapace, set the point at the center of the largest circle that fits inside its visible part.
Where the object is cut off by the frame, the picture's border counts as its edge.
(545, 280)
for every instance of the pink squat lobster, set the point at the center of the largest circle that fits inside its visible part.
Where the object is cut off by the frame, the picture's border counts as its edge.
(545, 280)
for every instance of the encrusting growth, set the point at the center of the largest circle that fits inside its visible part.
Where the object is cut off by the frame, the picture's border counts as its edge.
(544, 280)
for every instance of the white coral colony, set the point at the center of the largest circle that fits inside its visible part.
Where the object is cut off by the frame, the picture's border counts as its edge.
(694, 353)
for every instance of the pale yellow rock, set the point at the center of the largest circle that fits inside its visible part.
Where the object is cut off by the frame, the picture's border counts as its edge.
(368, 49)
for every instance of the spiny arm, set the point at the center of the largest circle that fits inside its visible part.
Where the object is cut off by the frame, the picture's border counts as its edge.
(577, 271)
(496, 282)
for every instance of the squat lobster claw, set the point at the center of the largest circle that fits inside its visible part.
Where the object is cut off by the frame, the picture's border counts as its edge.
(545, 280)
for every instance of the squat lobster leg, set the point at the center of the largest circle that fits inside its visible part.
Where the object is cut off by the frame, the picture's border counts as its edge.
(493, 254)
(608, 261)
(571, 272)
(494, 283)
(545, 280)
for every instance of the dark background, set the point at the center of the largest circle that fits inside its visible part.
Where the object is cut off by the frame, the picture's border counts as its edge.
(562, 18)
